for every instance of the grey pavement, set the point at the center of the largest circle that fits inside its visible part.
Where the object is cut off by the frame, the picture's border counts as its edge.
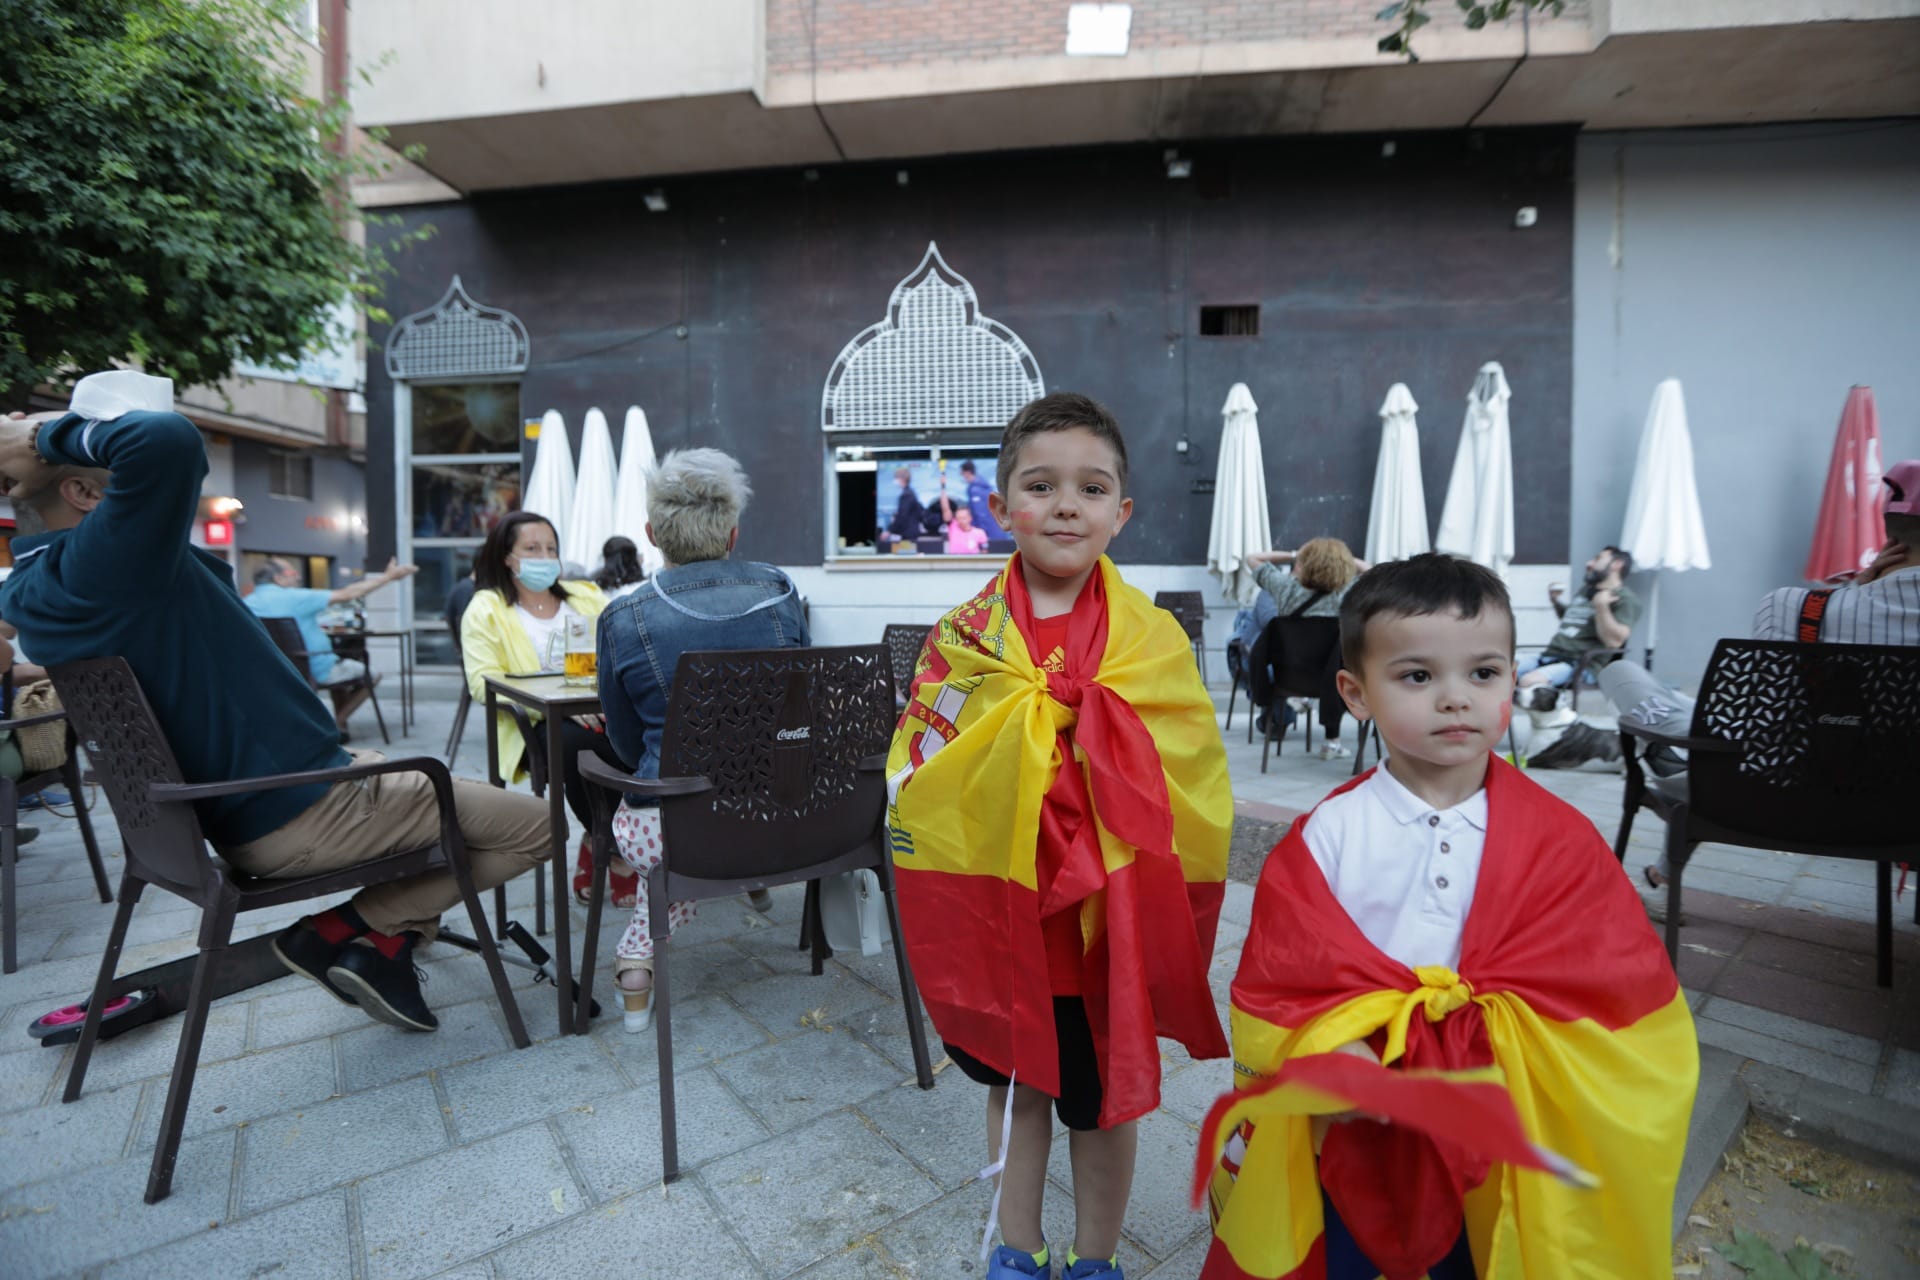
(321, 1144)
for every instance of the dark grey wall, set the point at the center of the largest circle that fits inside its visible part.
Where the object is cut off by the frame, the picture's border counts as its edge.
(281, 524)
(1369, 269)
(1769, 270)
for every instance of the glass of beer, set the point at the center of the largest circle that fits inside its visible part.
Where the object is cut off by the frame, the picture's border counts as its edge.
(581, 665)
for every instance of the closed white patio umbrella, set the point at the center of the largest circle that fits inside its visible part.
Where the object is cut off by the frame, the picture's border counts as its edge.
(1240, 523)
(1477, 520)
(1663, 529)
(1397, 526)
(592, 521)
(549, 490)
(630, 488)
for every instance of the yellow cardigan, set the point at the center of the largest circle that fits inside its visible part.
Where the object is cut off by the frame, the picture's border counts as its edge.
(494, 643)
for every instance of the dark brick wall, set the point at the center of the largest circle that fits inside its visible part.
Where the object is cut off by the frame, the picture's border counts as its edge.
(1367, 269)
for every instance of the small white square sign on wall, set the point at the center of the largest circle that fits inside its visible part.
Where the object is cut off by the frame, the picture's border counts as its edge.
(1099, 30)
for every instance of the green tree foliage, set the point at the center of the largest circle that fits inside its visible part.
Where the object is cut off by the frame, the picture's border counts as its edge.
(170, 194)
(1408, 16)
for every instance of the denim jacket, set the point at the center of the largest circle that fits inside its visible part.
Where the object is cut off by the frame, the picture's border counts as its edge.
(714, 604)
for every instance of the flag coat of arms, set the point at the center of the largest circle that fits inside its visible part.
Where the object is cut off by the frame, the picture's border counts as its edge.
(1119, 755)
(1564, 1003)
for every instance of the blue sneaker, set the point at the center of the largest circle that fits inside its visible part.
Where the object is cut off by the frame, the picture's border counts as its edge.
(1093, 1267)
(1009, 1263)
(46, 799)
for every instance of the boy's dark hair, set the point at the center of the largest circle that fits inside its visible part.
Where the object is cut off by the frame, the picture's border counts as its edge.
(1415, 587)
(1061, 411)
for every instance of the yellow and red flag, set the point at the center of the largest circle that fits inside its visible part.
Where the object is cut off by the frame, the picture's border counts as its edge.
(1562, 987)
(1118, 752)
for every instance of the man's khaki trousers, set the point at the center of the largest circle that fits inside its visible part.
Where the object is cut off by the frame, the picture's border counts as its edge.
(506, 833)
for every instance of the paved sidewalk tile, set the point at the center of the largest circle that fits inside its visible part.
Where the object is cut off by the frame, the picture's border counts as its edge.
(791, 1083)
(667, 1231)
(377, 1054)
(616, 1140)
(422, 1218)
(244, 1089)
(774, 1192)
(299, 1241)
(148, 1051)
(508, 1089)
(46, 1142)
(67, 1224)
(1781, 1053)
(943, 1130)
(704, 1030)
(297, 1154)
(779, 1003)
(25, 1077)
(1780, 1026)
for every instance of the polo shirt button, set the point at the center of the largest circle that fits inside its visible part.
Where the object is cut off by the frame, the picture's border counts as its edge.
(1442, 882)
(1445, 847)
(1433, 820)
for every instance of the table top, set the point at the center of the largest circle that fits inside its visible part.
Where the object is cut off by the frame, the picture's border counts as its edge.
(400, 634)
(549, 694)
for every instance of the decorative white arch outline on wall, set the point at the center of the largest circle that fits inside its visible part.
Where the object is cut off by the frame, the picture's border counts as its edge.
(457, 338)
(934, 362)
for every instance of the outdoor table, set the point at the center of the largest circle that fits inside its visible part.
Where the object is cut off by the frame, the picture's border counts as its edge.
(405, 637)
(551, 697)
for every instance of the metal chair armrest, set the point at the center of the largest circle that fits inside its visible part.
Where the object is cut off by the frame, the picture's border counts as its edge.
(48, 718)
(594, 769)
(186, 792)
(1681, 741)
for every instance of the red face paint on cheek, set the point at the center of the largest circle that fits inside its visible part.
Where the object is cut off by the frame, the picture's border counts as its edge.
(1506, 717)
(1023, 521)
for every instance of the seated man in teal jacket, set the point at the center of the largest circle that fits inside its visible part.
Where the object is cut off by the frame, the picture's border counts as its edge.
(108, 570)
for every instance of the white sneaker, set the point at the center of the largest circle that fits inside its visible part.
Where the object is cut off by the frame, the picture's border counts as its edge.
(1334, 751)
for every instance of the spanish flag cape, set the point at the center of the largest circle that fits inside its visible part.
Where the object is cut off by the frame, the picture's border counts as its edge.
(1124, 744)
(1562, 987)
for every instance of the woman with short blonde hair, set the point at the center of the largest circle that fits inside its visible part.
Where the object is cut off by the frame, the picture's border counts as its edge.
(1323, 569)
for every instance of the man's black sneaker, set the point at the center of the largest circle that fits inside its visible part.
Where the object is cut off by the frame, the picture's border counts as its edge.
(389, 990)
(308, 954)
(1580, 743)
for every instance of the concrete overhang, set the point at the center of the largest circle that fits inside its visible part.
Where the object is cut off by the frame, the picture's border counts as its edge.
(1633, 66)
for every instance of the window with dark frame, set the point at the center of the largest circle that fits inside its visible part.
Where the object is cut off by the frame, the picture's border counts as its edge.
(1240, 321)
(289, 474)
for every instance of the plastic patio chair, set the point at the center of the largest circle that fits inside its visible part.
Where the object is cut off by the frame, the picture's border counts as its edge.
(1190, 608)
(903, 641)
(1299, 658)
(286, 637)
(1798, 748)
(771, 773)
(165, 847)
(11, 790)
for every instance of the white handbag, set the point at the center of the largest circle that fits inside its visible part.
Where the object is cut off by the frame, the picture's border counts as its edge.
(853, 913)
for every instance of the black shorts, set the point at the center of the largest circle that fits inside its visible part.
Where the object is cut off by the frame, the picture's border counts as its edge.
(1078, 1105)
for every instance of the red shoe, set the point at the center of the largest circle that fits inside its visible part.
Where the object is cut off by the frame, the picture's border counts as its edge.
(624, 886)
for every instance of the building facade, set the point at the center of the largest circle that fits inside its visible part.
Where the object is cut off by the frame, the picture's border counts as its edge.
(728, 215)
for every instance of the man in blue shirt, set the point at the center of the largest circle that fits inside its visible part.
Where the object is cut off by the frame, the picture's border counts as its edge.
(277, 593)
(109, 570)
(978, 491)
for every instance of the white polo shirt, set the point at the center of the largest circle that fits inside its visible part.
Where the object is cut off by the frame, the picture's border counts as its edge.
(1403, 870)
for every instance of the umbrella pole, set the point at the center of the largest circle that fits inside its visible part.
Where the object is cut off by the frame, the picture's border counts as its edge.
(1653, 620)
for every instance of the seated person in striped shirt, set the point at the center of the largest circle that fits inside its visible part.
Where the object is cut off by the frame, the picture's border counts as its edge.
(1879, 605)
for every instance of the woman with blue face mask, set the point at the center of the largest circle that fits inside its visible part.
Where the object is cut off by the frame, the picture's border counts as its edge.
(518, 623)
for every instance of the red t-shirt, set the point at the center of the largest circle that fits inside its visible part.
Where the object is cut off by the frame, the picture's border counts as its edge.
(1061, 930)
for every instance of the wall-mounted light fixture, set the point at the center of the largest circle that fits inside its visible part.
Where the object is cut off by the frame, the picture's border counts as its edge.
(1525, 216)
(656, 201)
(1177, 166)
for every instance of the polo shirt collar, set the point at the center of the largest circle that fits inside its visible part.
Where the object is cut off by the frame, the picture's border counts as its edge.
(1406, 808)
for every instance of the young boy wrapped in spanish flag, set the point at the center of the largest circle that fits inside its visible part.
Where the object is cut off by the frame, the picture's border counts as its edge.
(1460, 932)
(1060, 817)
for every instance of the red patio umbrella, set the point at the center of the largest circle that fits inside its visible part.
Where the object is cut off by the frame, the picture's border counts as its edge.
(1849, 532)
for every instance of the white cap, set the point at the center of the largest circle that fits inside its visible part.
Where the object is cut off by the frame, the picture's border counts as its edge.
(103, 397)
